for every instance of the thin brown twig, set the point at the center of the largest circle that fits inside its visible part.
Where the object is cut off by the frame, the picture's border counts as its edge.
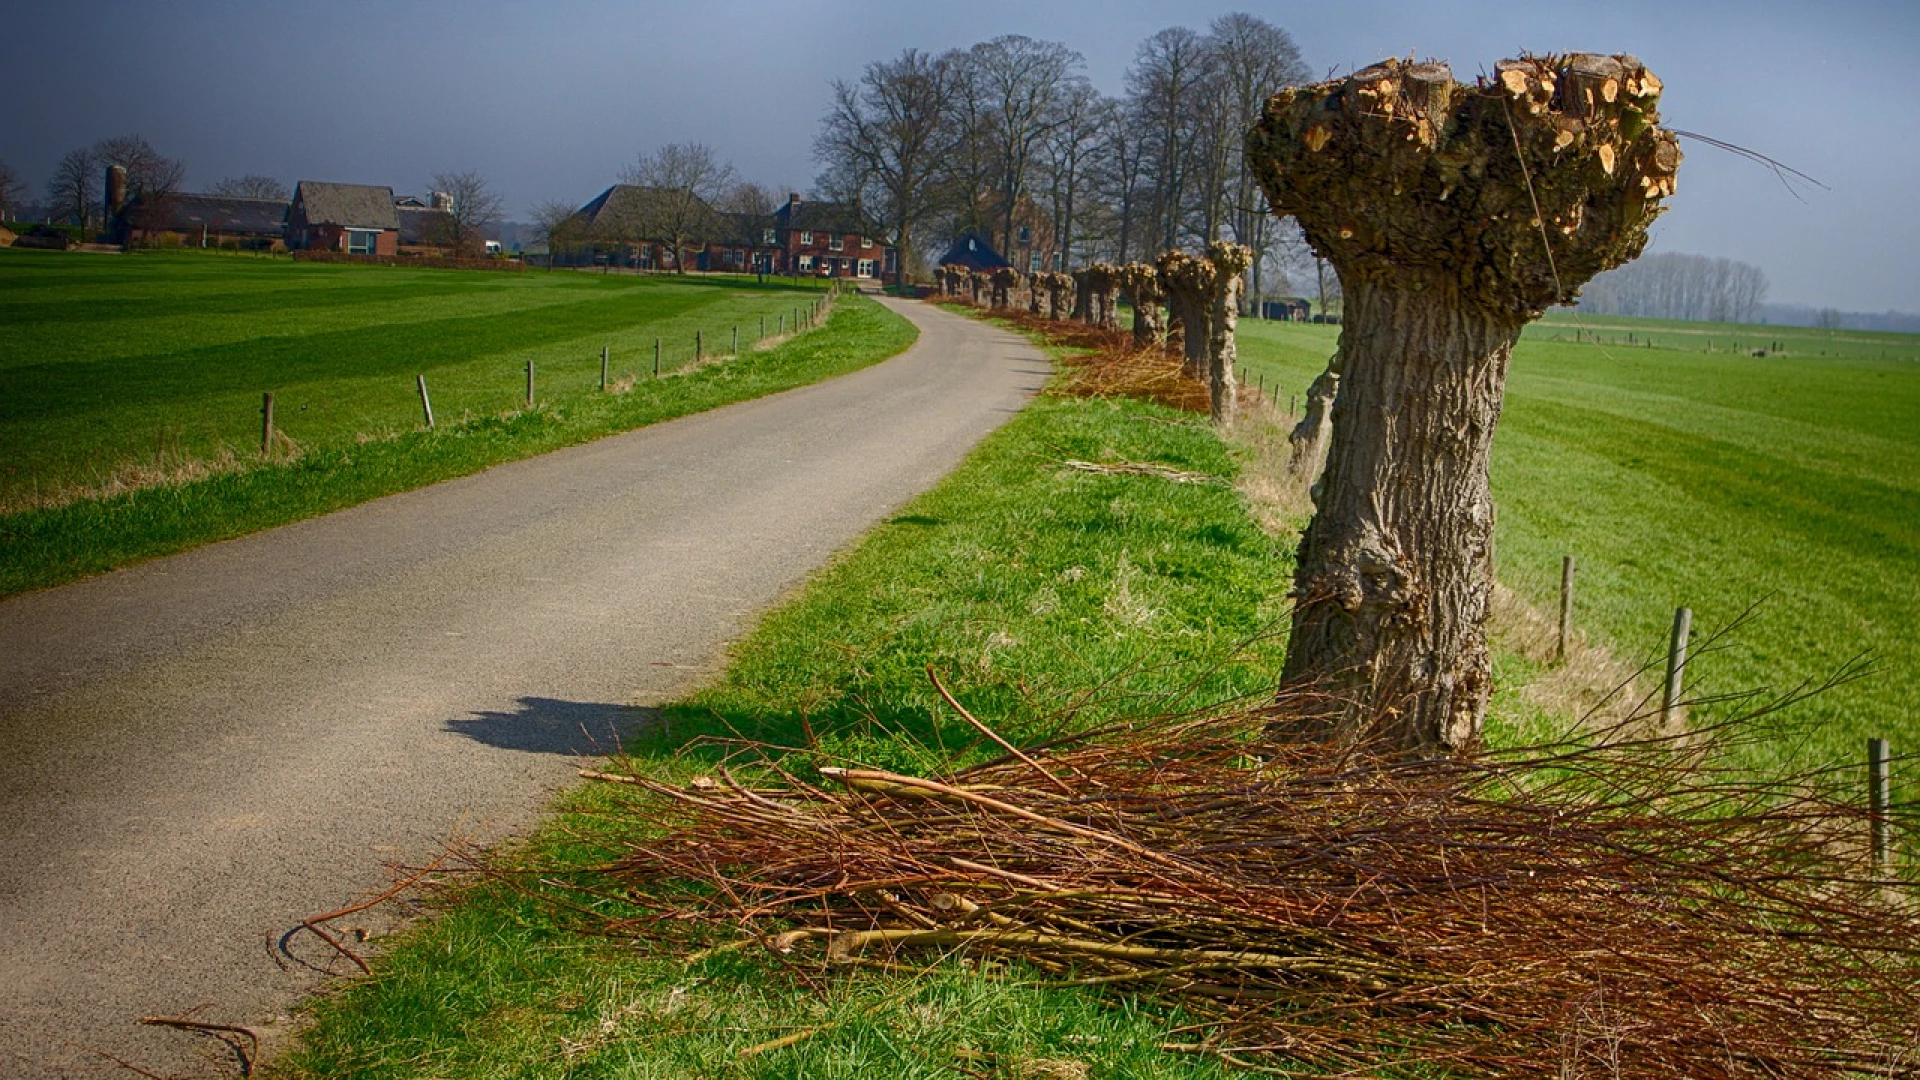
(983, 729)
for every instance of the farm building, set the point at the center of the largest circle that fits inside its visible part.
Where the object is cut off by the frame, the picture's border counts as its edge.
(617, 227)
(202, 221)
(356, 218)
(830, 240)
(971, 250)
(743, 244)
(424, 227)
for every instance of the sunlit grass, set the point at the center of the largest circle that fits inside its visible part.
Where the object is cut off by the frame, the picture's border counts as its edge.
(1720, 480)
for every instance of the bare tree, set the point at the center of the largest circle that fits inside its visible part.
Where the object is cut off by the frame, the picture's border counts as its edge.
(1455, 217)
(1167, 89)
(747, 197)
(889, 133)
(471, 207)
(1021, 83)
(12, 191)
(150, 174)
(1072, 154)
(1672, 285)
(252, 186)
(75, 189)
(559, 226)
(1254, 60)
(684, 181)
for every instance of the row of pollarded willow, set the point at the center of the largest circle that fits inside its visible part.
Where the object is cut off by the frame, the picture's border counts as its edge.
(1455, 213)
(1201, 292)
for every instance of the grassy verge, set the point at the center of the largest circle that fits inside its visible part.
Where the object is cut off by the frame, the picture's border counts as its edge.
(45, 547)
(1025, 582)
(1715, 480)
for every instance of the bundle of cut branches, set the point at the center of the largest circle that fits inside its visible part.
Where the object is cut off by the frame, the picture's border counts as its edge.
(1123, 371)
(1625, 907)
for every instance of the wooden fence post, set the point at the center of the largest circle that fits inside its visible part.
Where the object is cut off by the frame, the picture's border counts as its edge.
(1676, 663)
(736, 342)
(696, 346)
(426, 403)
(1566, 604)
(529, 384)
(266, 423)
(1879, 800)
(656, 358)
(605, 351)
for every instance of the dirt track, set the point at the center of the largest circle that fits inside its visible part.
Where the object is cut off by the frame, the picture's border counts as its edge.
(202, 751)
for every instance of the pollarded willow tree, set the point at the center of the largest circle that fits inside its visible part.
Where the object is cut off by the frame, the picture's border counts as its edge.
(1141, 283)
(1455, 213)
(1203, 292)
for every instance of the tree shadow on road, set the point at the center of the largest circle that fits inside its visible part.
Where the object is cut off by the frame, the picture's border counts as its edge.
(550, 726)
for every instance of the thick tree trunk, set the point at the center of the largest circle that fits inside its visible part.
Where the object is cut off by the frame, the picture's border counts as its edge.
(1223, 353)
(1309, 437)
(1397, 567)
(1455, 213)
(1230, 262)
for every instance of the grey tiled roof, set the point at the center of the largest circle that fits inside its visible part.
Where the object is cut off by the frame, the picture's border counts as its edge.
(228, 214)
(357, 206)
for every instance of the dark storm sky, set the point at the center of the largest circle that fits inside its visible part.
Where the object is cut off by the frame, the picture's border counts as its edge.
(549, 100)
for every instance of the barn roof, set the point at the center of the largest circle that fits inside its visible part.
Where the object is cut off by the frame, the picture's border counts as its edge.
(971, 250)
(354, 206)
(422, 224)
(827, 217)
(228, 214)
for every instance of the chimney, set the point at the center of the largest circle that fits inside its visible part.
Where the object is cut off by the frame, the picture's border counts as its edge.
(116, 189)
(793, 198)
(441, 201)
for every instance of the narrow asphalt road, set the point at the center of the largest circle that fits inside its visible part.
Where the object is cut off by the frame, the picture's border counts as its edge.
(199, 752)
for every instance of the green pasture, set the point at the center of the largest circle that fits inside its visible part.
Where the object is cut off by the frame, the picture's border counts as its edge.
(126, 371)
(118, 366)
(1717, 480)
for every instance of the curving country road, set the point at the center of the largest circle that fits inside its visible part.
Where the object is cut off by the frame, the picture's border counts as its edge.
(199, 752)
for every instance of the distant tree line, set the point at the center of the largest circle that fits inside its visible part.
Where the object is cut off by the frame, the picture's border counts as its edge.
(1696, 288)
(932, 145)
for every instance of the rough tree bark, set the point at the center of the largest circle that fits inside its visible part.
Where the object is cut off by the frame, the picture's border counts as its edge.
(1142, 283)
(1187, 281)
(1455, 214)
(1230, 263)
(1057, 285)
(1309, 437)
(1005, 280)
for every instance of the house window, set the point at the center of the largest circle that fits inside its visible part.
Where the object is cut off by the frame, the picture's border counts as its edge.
(1056, 260)
(363, 241)
(866, 242)
(806, 264)
(835, 243)
(1033, 263)
(1026, 234)
(768, 238)
(806, 238)
(865, 268)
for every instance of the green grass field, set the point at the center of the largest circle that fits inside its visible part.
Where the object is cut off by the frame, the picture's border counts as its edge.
(133, 428)
(124, 366)
(1717, 480)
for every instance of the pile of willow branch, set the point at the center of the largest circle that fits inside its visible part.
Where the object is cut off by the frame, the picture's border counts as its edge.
(1105, 363)
(1624, 907)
